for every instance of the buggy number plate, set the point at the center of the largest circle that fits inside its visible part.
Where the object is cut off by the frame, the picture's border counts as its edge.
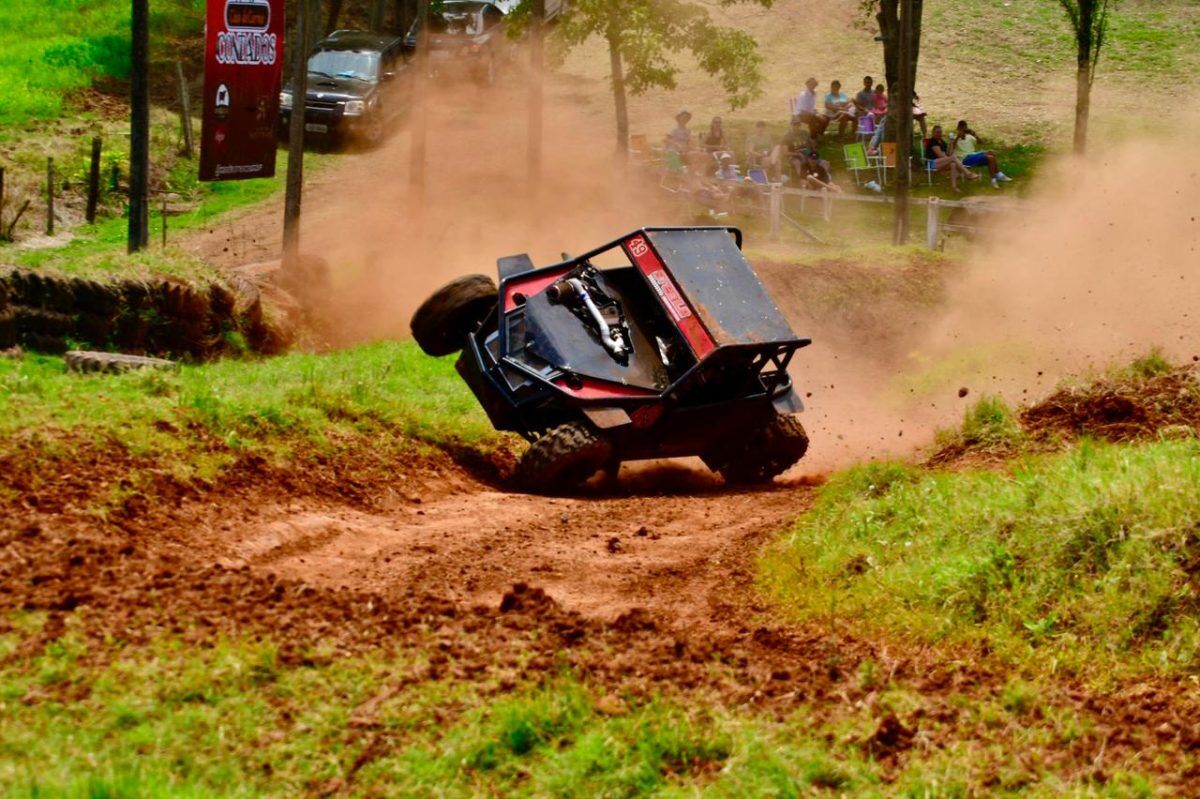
(669, 294)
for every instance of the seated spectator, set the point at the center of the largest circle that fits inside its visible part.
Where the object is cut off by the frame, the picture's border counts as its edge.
(714, 140)
(814, 173)
(840, 109)
(679, 139)
(964, 144)
(864, 101)
(727, 170)
(796, 142)
(759, 145)
(938, 152)
(879, 105)
(804, 108)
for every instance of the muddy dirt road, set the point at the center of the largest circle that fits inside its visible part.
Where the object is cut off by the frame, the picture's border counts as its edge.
(664, 538)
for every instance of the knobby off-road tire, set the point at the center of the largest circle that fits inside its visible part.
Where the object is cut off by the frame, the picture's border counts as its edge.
(563, 459)
(763, 454)
(443, 322)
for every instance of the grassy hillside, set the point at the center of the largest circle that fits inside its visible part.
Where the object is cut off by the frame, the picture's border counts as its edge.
(198, 423)
(51, 48)
(1007, 67)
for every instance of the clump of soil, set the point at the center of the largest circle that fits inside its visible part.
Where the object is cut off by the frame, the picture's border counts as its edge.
(1134, 406)
(1120, 409)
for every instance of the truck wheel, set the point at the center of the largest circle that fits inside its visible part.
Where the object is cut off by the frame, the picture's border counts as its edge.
(373, 132)
(443, 321)
(762, 455)
(563, 459)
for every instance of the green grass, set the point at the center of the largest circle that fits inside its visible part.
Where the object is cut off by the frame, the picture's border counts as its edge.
(198, 421)
(1076, 562)
(231, 720)
(49, 48)
(99, 249)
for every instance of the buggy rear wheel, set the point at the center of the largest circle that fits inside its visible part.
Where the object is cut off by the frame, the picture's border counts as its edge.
(563, 459)
(443, 322)
(761, 455)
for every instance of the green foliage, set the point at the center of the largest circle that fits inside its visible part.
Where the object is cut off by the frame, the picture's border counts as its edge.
(1080, 560)
(1152, 364)
(989, 424)
(648, 34)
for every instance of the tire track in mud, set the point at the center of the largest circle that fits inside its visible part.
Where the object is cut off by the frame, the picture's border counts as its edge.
(663, 539)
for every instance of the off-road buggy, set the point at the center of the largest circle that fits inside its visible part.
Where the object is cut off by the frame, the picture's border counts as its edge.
(661, 344)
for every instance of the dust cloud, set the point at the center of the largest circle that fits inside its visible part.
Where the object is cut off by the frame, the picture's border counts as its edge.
(1100, 265)
(392, 249)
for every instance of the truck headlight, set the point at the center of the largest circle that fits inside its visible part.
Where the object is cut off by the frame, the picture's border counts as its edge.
(285, 100)
(355, 108)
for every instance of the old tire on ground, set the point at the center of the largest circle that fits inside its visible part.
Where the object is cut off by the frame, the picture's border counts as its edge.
(443, 322)
(763, 454)
(563, 459)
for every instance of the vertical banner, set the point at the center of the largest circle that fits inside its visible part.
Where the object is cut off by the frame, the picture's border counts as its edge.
(243, 73)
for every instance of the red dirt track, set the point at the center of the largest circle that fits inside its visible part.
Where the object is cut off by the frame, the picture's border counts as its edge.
(644, 588)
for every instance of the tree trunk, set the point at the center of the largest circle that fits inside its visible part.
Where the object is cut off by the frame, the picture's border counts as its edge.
(889, 31)
(903, 99)
(139, 126)
(1083, 100)
(618, 87)
(335, 14)
(1083, 72)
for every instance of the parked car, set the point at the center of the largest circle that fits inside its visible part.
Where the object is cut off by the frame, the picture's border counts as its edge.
(465, 36)
(358, 84)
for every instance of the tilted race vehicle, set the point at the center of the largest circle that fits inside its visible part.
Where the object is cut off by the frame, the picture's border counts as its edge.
(661, 344)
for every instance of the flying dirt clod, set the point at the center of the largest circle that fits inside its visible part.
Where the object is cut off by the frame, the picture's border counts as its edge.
(660, 344)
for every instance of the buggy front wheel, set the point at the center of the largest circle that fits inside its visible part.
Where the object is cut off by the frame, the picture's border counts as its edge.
(563, 459)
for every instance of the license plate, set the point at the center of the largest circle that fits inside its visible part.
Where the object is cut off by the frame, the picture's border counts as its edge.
(313, 127)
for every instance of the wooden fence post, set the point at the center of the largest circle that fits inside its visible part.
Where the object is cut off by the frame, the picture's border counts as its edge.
(93, 196)
(776, 209)
(932, 223)
(49, 196)
(185, 110)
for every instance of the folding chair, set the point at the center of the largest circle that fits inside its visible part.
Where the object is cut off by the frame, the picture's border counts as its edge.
(866, 127)
(926, 164)
(639, 149)
(856, 160)
(673, 171)
(758, 175)
(887, 158)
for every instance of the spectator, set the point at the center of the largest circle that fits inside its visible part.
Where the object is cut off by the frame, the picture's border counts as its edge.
(796, 142)
(919, 114)
(759, 145)
(864, 101)
(814, 173)
(840, 109)
(727, 170)
(679, 139)
(938, 152)
(879, 104)
(714, 140)
(804, 108)
(964, 144)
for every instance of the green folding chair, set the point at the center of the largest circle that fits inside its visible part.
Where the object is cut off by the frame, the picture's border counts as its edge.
(857, 161)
